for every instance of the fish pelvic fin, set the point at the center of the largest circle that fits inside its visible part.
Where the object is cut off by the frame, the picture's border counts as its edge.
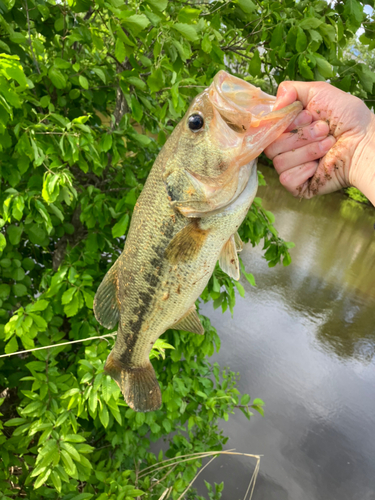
(190, 322)
(228, 259)
(139, 386)
(187, 243)
(238, 242)
(106, 306)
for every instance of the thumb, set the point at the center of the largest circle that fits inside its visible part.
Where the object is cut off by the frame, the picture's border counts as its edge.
(289, 92)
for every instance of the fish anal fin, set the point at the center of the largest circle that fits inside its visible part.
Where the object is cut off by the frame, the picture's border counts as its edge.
(187, 243)
(238, 242)
(228, 259)
(139, 386)
(190, 322)
(106, 307)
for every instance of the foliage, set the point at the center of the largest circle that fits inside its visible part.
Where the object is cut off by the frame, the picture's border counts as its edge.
(89, 91)
(356, 195)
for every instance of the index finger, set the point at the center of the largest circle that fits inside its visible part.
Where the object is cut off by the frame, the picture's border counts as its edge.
(289, 92)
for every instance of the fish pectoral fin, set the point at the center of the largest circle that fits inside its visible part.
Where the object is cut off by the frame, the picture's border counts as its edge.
(139, 386)
(238, 242)
(106, 307)
(228, 259)
(190, 322)
(187, 243)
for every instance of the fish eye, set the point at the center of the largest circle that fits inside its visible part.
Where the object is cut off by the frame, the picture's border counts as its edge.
(195, 122)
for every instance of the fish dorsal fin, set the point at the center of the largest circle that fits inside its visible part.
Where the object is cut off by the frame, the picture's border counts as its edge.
(106, 307)
(190, 322)
(228, 259)
(238, 242)
(187, 243)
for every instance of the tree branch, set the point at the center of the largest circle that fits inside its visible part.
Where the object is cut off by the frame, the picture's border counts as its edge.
(30, 41)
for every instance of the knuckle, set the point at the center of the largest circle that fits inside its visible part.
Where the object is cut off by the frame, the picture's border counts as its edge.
(313, 150)
(278, 162)
(285, 179)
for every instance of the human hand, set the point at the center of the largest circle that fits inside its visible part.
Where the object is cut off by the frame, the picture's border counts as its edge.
(330, 145)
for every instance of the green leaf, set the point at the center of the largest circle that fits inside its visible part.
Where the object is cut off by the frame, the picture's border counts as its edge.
(56, 480)
(255, 64)
(310, 22)
(68, 463)
(71, 450)
(18, 38)
(61, 63)
(100, 73)
(305, 69)
(120, 52)
(206, 44)
(247, 6)
(187, 31)
(245, 399)
(106, 142)
(121, 226)
(366, 77)
(42, 478)
(187, 14)
(104, 415)
(301, 42)
(325, 69)
(74, 438)
(156, 80)
(353, 10)
(68, 295)
(277, 36)
(3, 242)
(137, 82)
(57, 78)
(4, 291)
(137, 22)
(19, 290)
(83, 82)
(14, 234)
(12, 346)
(159, 5)
(59, 24)
(71, 309)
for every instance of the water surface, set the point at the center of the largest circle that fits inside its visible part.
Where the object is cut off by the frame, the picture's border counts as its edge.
(303, 340)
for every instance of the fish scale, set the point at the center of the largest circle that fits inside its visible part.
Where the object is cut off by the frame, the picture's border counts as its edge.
(197, 194)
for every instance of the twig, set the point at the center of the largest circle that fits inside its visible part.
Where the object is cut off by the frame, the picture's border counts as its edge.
(199, 455)
(194, 478)
(220, 6)
(30, 42)
(162, 479)
(59, 345)
(118, 62)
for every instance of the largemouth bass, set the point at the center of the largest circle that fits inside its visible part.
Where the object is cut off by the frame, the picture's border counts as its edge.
(196, 196)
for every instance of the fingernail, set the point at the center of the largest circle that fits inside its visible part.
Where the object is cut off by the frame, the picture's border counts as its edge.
(326, 144)
(320, 129)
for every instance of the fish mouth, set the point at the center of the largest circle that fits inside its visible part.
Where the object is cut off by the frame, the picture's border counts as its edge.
(248, 113)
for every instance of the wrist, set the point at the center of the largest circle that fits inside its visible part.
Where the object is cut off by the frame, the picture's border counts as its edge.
(362, 171)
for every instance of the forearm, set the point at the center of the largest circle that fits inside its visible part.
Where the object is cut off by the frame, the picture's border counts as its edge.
(363, 168)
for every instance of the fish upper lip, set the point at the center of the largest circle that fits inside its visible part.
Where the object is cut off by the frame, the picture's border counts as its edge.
(245, 113)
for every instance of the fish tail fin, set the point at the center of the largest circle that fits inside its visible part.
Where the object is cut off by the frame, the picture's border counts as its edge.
(139, 386)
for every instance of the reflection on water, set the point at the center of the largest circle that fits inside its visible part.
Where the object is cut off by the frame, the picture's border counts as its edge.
(332, 278)
(304, 341)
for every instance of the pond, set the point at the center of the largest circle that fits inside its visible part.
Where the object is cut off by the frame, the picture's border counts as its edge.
(303, 340)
